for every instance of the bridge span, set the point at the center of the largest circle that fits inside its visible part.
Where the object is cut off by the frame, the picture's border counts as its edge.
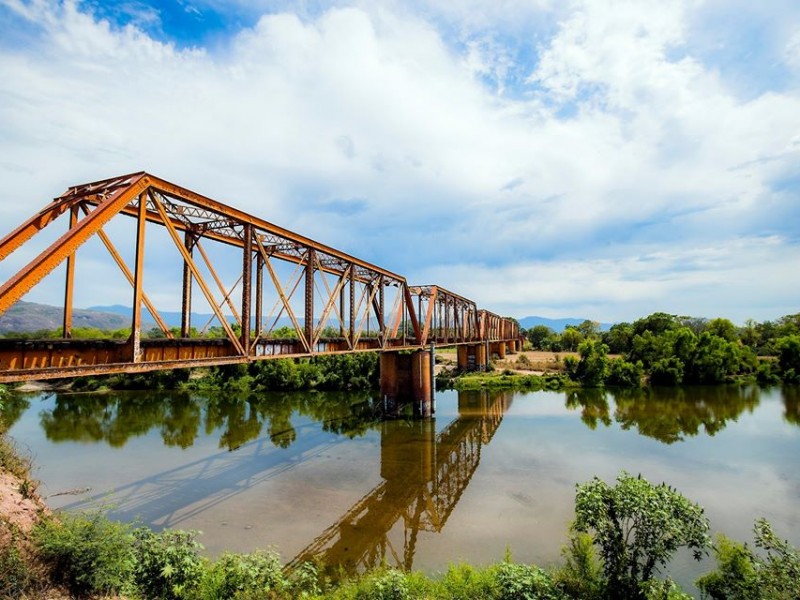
(334, 302)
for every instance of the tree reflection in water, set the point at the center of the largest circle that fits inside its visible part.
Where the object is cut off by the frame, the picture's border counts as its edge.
(666, 414)
(117, 417)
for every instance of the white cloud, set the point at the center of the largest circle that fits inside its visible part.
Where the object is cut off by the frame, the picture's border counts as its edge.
(621, 144)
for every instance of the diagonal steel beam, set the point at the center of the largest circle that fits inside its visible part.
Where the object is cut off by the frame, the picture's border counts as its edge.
(16, 287)
(199, 278)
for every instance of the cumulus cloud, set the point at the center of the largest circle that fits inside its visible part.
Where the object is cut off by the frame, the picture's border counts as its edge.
(403, 133)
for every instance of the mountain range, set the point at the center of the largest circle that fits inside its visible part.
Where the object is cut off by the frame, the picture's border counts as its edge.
(30, 316)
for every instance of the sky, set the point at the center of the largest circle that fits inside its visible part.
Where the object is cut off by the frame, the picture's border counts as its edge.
(599, 159)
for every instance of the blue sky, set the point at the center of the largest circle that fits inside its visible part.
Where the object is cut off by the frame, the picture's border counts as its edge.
(592, 158)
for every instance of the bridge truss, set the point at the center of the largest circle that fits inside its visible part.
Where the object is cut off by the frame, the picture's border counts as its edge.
(334, 302)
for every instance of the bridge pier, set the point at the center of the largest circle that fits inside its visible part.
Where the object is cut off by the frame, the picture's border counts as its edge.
(471, 357)
(407, 378)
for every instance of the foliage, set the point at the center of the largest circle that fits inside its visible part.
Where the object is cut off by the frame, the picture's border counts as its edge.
(736, 577)
(789, 357)
(168, 565)
(89, 553)
(637, 527)
(663, 590)
(742, 574)
(581, 575)
(623, 373)
(592, 368)
(618, 338)
(523, 582)
(244, 576)
(465, 582)
(667, 371)
(15, 576)
(540, 337)
(571, 338)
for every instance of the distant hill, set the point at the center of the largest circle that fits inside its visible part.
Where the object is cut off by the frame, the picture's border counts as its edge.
(557, 325)
(29, 316)
(173, 318)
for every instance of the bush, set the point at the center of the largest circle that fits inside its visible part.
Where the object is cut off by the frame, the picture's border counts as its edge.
(581, 576)
(243, 576)
(15, 577)
(638, 527)
(735, 577)
(168, 564)
(466, 582)
(522, 582)
(744, 575)
(592, 368)
(89, 554)
(667, 371)
(624, 373)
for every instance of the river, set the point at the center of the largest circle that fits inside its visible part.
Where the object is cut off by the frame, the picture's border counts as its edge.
(326, 474)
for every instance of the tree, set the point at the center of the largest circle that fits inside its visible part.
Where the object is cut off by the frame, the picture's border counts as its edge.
(589, 328)
(789, 357)
(657, 323)
(571, 338)
(540, 337)
(592, 368)
(722, 328)
(637, 527)
(618, 338)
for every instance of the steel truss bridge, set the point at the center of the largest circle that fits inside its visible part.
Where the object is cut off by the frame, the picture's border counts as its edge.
(336, 303)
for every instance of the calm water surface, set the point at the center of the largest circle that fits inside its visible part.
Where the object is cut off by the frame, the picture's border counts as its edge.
(322, 474)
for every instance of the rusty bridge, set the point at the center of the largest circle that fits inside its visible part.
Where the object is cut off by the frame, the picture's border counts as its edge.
(334, 302)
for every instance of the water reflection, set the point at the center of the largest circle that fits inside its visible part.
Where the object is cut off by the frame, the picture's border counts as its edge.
(423, 477)
(670, 414)
(117, 418)
(791, 402)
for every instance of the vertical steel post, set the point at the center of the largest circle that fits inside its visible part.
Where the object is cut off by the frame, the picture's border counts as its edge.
(186, 299)
(381, 320)
(352, 304)
(433, 378)
(341, 311)
(259, 292)
(309, 321)
(247, 284)
(138, 278)
(69, 285)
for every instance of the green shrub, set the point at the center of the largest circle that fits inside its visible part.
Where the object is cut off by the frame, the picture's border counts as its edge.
(637, 527)
(464, 582)
(735, 577)
(663, 590)
(592, 368)
(15, 577)
(242, 576)
(386, 584)
(667, 371)
(523, 582)
(624, 373)
(168, 564)
(581, 575)
(745, 575)
(89, 554)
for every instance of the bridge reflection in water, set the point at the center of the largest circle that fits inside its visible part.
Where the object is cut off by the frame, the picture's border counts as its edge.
(424, 475)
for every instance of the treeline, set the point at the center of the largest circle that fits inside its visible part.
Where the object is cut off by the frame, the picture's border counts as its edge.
(329, 372)
(670, 350)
